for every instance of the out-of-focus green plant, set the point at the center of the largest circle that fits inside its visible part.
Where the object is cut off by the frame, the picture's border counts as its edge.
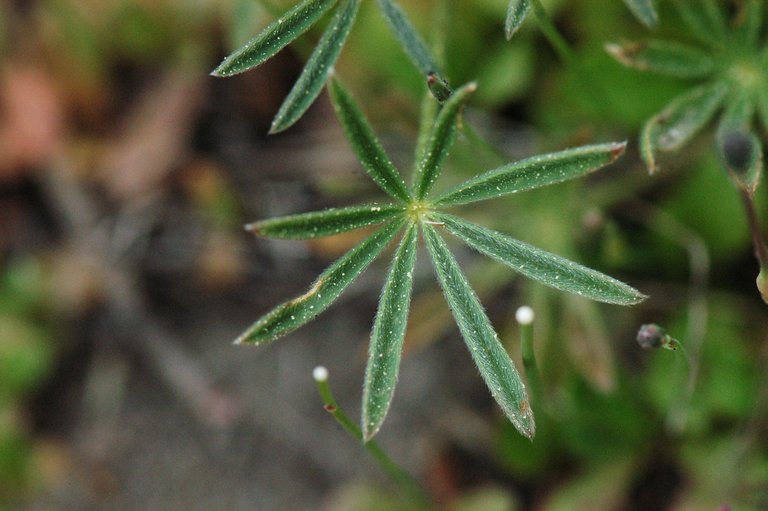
(730, 66)
(25, 358)
(732, 69)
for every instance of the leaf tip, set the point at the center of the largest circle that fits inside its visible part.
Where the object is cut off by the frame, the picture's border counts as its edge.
(617, 149)
(254, 228)
(526, 424)
(369, 428)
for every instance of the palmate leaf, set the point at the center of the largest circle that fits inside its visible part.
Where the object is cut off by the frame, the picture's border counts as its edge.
(680, 120)
(645, 11)
(387, 336)
(440, 141)
(365, 144)
(324, 223)
(539, 265)
(409, 39)
(494, 363)
(532, 173)
(663, 57)
(274, 38)
(315, 72)
(292, 314)
(517, 10)
(704, 18)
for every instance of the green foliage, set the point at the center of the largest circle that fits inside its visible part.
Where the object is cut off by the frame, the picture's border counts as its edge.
(26, 357)
(516, 13)
(418, 210)
(731, 64)
(388, 334)
(409, 39)
(274, 38)
(320, 64)
(318, 67)
(645, 11)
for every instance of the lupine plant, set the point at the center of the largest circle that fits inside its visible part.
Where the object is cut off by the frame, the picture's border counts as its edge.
(730, 65)
(413, 209)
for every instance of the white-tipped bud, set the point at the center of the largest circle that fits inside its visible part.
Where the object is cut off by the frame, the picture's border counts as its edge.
(320, 374)
(524, 315)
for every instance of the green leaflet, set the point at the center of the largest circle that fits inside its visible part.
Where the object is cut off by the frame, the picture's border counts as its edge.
(492, 360)
(645, 11)
(737, 115)
(748, 21)
(324, 223)
(387, 336)
(517, 10)
(274, 38)
(440, 141)
(363, 140)
(681, 120)
(315, 72)
(539, 265)
(704, 18)
(663, 57)
(533, 172)
(409, 39)
(292, 314)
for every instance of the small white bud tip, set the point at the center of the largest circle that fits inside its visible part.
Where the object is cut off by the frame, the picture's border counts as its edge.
(524, 315)
(320, 374)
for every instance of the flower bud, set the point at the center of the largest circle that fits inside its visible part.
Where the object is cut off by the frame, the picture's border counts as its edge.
(651, 336)
(737, 149)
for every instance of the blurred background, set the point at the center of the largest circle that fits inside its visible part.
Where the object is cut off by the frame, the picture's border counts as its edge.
(127, 172)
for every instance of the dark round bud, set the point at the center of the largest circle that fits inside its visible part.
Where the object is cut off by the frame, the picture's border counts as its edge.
(651, 336)
(737, 150)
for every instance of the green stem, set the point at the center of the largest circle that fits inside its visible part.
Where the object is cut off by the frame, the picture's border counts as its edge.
(393, 470)
(761, 250)
(553, 35)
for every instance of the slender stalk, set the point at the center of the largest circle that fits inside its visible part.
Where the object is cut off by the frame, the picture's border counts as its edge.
(525, 317)
(758, 240)
(699, 265)
(761, 249)
(553, 35)
(402, 478)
